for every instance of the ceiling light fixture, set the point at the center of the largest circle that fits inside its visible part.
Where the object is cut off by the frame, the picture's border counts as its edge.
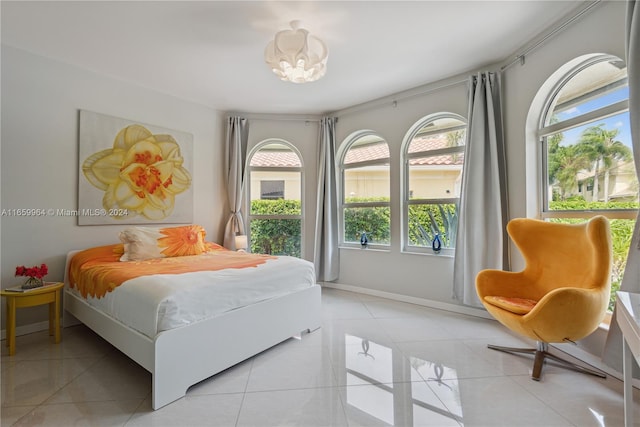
(297, 56)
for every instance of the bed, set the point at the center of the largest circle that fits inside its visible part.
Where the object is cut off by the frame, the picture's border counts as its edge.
(257, 302)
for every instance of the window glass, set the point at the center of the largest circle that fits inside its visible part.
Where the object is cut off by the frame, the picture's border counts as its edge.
(592, 87)
(366, 191)
(272, 189)
(592, 162)
(275, 188)
(588, 166)
(434, 159)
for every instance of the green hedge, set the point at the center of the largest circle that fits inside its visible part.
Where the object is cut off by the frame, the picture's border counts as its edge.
(276, 236)
(621, 233)
(427, 220)
(282, 236)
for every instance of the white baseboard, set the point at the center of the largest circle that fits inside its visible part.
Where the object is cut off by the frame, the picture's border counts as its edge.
(477, 312)
(28, 329)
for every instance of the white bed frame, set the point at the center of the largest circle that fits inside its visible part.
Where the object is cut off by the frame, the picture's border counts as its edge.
(179, 358)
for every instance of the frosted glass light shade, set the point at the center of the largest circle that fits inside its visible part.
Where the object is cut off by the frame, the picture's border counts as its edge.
(241, 242)
(296, 56)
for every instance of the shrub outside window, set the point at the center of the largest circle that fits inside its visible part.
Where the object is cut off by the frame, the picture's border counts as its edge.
(588, 166)
(365, 190)
(275, 189)
(433, 159)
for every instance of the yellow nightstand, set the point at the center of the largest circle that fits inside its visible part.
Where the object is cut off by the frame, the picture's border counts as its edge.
(50, 293)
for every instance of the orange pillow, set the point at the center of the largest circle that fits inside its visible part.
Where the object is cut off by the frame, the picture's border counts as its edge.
(142, 243)
(514, 305)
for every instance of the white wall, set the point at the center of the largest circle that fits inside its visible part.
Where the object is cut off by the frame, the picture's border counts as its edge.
(421, 276)
(430, 276)
(600, 31)
(41, 99)
(303, 134)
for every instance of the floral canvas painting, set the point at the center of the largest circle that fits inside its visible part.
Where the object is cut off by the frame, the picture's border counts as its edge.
(133, 173)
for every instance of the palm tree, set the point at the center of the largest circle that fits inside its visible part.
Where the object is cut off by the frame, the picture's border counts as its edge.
(455, 139)
(553, 162)
(568, 163)
(600, 147)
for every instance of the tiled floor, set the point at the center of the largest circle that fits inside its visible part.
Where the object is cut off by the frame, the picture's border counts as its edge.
(374, 362)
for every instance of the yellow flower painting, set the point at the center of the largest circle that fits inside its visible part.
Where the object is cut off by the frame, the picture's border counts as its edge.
(139, 176)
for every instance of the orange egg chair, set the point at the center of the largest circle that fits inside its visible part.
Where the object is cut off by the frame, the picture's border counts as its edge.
(562, 294)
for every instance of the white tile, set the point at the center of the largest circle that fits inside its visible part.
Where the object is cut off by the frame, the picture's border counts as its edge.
(31, 382)
(345, 310)
(307, 407)
(361, 361)
(12, 414)
(110, 413)
(462, 326)
(398, 404)
(395, 309)
(496, 401)
(594, 401)
(447, 360)
(291, 367)
(232, 380)
(509, 364)
(335, 330)
(331, 295)
(407, 330)
(76, 342)
(210, 410)
(113, 377)
(373, 362)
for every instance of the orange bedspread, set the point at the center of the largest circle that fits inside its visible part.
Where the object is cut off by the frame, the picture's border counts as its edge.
(96, 271)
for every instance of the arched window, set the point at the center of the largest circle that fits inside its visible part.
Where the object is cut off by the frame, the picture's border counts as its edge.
(275, 197)
(432, 158)
(587, 166)
(365, 190)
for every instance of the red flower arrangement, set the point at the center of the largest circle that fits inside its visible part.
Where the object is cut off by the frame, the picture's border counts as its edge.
(34, 272)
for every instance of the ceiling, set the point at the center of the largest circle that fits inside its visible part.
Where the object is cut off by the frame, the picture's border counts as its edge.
(211, 52)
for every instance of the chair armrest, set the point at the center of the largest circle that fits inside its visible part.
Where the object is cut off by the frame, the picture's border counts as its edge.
(578, 310)
(573, 302)
(504, 283)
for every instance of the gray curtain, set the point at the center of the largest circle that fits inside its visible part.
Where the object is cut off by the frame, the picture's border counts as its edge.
(326, 255)
(631, 280)
(482, 238)
(235, 157)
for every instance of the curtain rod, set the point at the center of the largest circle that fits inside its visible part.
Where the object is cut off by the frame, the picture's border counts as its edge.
(520, 57)
(393, 99)
(277, 117)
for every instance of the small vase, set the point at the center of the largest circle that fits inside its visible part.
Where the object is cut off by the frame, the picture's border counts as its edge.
(32, 282)
(436, 244)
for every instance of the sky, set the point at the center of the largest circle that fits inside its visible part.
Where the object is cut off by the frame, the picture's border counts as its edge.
(619, 121)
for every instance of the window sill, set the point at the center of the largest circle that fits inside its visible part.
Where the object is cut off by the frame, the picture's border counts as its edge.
(606, 322)
(443, 254)
(369, 249)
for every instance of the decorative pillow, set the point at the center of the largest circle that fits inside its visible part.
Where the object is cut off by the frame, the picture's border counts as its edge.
(514, 305)
(142, 243)
(211, 247)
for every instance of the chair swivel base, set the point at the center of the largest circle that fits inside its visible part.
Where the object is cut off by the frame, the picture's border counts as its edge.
(540, 354)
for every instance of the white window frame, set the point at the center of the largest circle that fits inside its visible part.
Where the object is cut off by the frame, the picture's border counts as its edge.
(404, 182)
(342, 152)
(562, 76)
(248, 199)
(590, 117)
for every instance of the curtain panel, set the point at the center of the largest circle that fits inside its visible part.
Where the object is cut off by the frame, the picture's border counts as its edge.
(631, 280)
(326, 255)
(482, 240)
(235, 158)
